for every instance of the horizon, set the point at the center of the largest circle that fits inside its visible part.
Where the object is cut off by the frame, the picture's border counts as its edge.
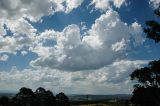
(75, 47)
(14, 92)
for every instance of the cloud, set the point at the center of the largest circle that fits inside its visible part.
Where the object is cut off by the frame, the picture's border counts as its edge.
(73, 61)
(114, 78)
(23, 53)
(22, 34)
(15, 17)
(72, 4)
(11, 44)
(31, 9)
(154, 3)
(3, 57)
(108, 40)
(2, 29)
(34, 10)
(119, 46)
(47, 78)
(20, 27)
(118, 3)
(107, 4)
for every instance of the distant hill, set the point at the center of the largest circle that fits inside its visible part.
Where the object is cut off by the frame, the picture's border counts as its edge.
(78, 97)
(7, 94)
(100, 97)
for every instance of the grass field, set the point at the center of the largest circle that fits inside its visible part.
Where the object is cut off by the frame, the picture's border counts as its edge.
(102, 103)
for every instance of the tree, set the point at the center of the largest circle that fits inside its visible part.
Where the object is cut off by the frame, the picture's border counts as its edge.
(147, 90)
(41, 97)
(153, 29)
(51, 98)
(4, 101)
(44, 98)
(25, 92)
(62, 99)
(25, 96)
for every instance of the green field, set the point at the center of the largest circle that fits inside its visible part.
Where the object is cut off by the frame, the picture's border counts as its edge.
(101, 103)
(100, 100)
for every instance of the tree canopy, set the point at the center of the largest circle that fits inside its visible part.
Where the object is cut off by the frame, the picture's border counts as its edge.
(41, 97)
(153, 28)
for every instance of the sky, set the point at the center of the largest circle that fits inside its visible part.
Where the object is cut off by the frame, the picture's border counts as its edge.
(74, 46)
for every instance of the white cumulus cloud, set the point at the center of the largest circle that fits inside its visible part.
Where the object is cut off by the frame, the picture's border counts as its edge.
(107, 4)
(155, 3)
(107, 80)
(35, 9)
(106, 41)
(14, 18)
(3, 57)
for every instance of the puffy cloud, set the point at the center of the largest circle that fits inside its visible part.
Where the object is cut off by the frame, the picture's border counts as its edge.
(47, 78)
(106, 41)
(100, 50)
(72, 4)
(137, 32)
(3, 57)
(22, 34)
(23, 53)
(35, 9)
(14, 18)
(101, 4)
(20, 27)
(11, 44)
(2, 29)
(107, 4)
(116, 72)
(7, 44)
(154, 3)
(32, 9)
(118, 3)
(110, 79)
(114, 78)
(119, 46)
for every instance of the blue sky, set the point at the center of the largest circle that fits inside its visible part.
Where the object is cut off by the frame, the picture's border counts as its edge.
(94, 44)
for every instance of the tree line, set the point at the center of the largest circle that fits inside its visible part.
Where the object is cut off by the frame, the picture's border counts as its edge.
(41, 97)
